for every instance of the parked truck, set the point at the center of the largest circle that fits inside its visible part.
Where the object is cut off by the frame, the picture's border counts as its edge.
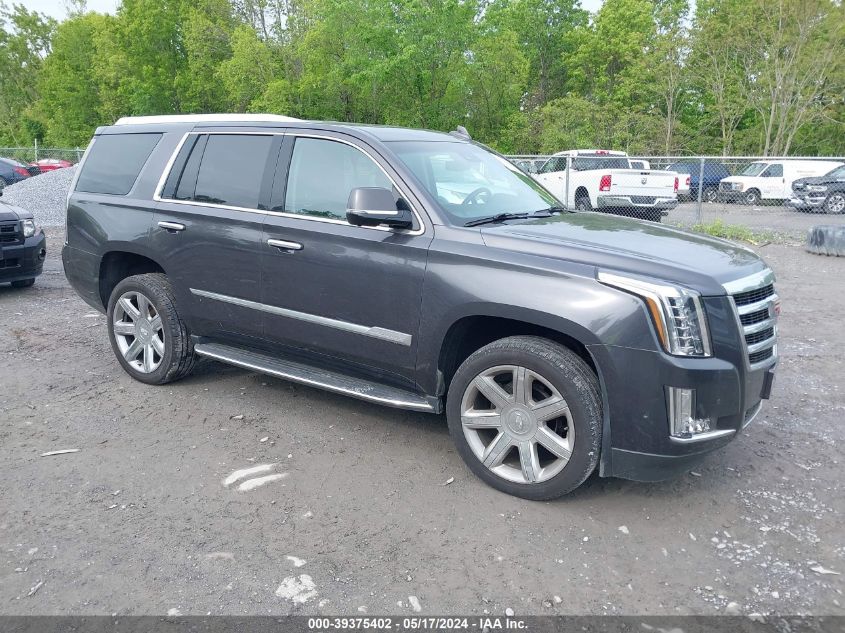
(602, 180)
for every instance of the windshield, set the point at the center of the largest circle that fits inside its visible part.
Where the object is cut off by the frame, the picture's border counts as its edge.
(470, 182)
(753, 169)
(681, 168)
(839, 172)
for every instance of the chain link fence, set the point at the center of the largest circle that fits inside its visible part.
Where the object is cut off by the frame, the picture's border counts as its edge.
(45, 156)
(763, 194)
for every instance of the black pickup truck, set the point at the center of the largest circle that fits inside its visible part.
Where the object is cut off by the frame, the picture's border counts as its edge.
(23, 246)
(420, 270)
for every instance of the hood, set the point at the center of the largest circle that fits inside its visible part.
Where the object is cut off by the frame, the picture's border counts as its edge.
(11, 212)
(629, 246)
(801, 183)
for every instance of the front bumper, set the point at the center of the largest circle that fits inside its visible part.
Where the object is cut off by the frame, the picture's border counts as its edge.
(19, 262)
(806, 203)
(637, 441)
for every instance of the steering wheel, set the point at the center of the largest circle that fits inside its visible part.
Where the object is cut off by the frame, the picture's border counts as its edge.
(475, 196)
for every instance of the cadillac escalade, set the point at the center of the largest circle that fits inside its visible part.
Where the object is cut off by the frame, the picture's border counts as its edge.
(421, 270)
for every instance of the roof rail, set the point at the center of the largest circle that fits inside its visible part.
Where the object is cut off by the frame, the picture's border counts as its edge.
(201, 118)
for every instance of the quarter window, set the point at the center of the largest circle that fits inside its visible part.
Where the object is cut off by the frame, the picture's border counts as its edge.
(323, 173)
(114, 162)
(231, 170)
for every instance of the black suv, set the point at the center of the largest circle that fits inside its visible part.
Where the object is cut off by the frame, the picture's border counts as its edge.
(420, 270)
(820, 194)
(23, 246)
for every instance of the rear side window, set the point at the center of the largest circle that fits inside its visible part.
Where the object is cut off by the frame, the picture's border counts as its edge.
(114, 162)
(231, 170)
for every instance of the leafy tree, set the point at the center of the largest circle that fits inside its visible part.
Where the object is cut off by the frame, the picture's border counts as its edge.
(25, 38)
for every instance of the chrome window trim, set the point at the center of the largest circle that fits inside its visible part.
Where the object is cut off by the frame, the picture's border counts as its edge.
(384, 334)
(284, 214)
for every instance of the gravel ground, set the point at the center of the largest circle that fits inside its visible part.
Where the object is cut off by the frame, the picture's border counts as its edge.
(44, 195)
(776, 219)
(150, 516)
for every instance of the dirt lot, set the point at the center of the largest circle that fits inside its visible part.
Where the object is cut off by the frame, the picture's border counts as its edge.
(139, 520)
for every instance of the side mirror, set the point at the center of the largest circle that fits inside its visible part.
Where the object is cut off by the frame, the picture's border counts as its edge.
(375, 206)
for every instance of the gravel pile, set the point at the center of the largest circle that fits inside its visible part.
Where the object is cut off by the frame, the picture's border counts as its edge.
(44, 195)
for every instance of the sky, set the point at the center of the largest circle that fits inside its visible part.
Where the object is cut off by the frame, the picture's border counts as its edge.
(58, 8)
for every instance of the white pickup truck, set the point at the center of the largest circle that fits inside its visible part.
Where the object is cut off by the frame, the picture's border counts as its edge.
(602, 180)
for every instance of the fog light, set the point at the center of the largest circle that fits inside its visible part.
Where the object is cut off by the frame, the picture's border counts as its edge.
(682, 421)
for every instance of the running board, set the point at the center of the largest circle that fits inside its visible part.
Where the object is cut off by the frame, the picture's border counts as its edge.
(314, 377)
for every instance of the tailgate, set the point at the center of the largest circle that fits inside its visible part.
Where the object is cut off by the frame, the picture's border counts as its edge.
(635, 182)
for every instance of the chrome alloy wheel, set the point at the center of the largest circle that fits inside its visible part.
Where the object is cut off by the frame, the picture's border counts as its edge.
(138, 331)
(836, 203)
(517, 424)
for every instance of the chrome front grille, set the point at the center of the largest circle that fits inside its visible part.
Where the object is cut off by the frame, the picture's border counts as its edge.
(757, 306)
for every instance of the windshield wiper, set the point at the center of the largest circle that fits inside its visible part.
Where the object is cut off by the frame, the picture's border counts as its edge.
(544, 213)
(499, 217)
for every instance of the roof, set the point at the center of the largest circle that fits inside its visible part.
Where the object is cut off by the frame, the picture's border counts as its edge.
(204, 118)
(380, 132)
(590, 152)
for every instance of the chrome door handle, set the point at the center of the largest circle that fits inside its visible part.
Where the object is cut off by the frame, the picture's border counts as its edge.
(285, 245)
(172, 226)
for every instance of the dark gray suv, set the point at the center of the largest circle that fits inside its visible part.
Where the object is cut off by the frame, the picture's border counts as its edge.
(420, 270)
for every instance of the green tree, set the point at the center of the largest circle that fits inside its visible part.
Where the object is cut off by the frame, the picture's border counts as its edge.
(69, 103)
(25, 38)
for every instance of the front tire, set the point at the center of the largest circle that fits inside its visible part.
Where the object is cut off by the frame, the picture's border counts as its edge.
(526, 417)
(835, 203)
(147, 335)
(710, 194)
(751, 197)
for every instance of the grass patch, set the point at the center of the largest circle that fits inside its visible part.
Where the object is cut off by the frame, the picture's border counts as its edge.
(735, 232)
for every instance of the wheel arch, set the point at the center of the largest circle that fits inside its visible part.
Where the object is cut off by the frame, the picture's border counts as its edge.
(470, 332)
(121, 262)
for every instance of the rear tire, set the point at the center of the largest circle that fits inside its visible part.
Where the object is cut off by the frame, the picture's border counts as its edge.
(538, 434)
(147, 335)
(23, 283)
(582, 203)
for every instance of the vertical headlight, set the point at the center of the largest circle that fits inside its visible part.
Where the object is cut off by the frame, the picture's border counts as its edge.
(28, 228)
(677, 313)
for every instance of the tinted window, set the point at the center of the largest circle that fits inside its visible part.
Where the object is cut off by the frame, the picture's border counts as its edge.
(588, 163)
(114, 162)
(839, 172)
(322, 173)
(554, 164)
(232, 168)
